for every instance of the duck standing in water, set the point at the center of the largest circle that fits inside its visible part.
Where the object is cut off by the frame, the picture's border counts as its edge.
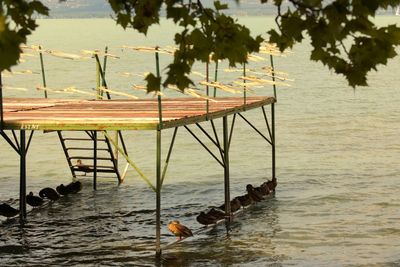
(62, 190)
(255, 195)
(34, 201)
(272, 184)
(235, 205)
(49, 193)
(217, 214)
(245, 200)
(74, 187)
(204, 219)
(264, 188)
(8, 211)
(179, 230)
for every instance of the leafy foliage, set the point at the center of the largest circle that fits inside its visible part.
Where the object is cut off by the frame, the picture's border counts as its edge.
(343, 34)
(17, 21)
(205, 31)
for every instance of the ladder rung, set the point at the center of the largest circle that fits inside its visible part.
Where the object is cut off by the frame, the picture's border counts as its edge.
(98, 166)
(98, 170)
(83, 157)
(81, 139)
(98, 176)
(86, 148)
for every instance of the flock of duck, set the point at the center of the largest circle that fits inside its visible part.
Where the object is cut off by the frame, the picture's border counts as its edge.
(254, 194)
(46, 193)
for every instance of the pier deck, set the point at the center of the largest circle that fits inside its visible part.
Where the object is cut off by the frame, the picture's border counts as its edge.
(140, 114)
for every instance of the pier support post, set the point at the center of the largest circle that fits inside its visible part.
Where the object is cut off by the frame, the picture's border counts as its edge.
(226, 171)
(95, 160)
(273, 141)
(22, 179)
(158, 195)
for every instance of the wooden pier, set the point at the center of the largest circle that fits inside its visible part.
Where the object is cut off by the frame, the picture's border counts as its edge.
(137, 114)
(31, 114)
(97, 117)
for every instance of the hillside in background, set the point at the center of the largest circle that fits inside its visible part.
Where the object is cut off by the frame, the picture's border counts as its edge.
(101, 8)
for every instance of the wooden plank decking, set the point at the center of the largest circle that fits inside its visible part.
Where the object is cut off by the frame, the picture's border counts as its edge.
(141, 114)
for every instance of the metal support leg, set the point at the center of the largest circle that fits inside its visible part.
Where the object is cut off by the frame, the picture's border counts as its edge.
(22, 179)
(95, 160)
(226, 171)
(273, 141)
(158, 195)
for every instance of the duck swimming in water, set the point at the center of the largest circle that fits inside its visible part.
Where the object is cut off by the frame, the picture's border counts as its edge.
(49, 193)
(179, 230)
(8, 211)
(34, 201)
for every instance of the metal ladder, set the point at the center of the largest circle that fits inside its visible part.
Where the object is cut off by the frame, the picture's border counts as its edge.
(79, 148)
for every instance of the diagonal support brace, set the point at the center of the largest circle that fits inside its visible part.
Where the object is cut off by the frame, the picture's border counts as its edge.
(204, 146)
(144, 177)
(255, 128)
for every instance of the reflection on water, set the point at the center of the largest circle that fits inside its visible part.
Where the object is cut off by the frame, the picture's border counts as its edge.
(113, 227)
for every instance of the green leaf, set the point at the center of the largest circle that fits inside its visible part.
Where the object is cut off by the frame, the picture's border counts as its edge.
(153, 83)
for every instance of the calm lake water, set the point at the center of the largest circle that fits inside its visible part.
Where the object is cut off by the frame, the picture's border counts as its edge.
(338, 152)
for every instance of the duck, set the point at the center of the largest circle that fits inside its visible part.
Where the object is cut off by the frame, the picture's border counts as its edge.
(34, 201)
(74, 187)
(204, 219)
(245, 200)
(262, 189)
(62, 190)
(83, 167)
(49, 193)
(179, 230)
(235, 205)
(8, 211)
(255, 195)
(217, 214)
(272, 184)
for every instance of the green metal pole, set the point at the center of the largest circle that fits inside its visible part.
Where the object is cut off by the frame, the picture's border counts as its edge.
(207, 89)
(273, 141)
(226, 172)
(159, 96)
(95, 160)
(158, 195)
(215, 78)
(273, 74)
(1, 102)
(43, 71)
(244, 86)
(22, 177)
(105, 61)
(99, 93)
